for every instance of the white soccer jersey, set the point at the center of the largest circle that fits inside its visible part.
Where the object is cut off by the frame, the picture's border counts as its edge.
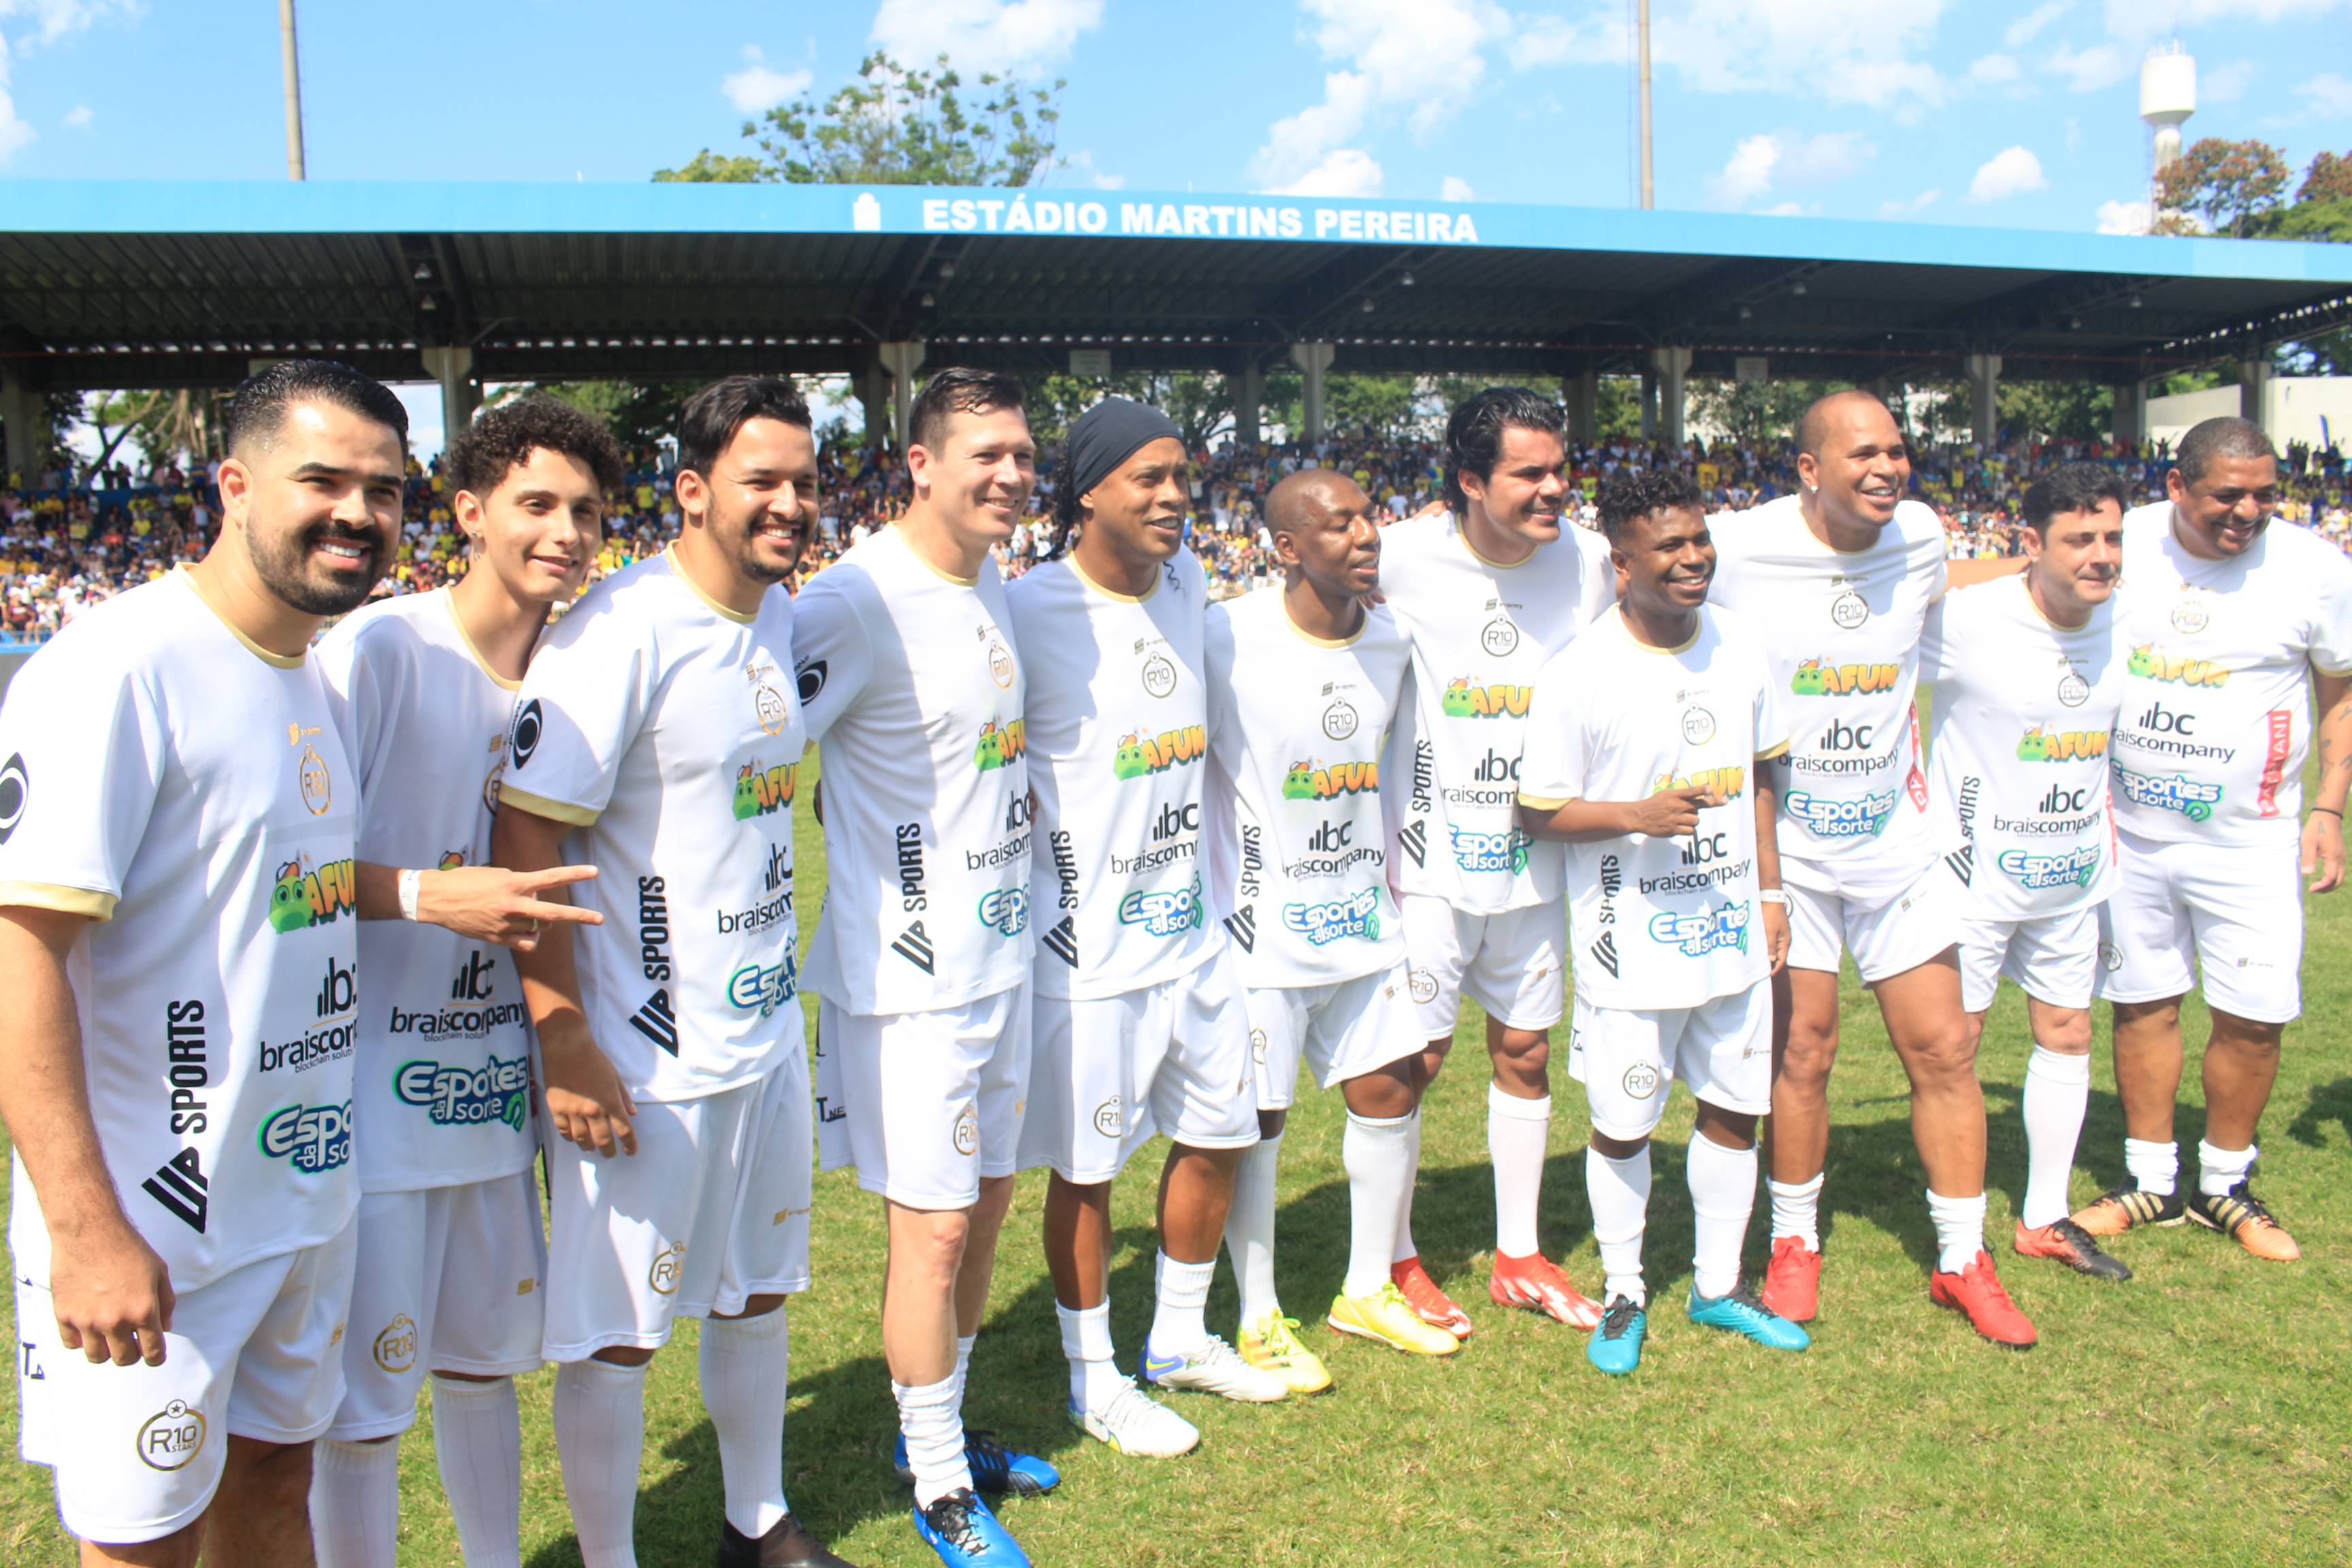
(2018, 731)
(912, 683)
(1479, 632)
(663, 727)
(1298, 845)
(442, 1094)
(1118, 748)
(187, 790)
(1659, 922)
(1842, 632)
(2217, 711)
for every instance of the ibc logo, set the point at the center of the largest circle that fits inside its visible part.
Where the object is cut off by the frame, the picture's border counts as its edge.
(2164, 721)
(1496, 768)
(1842, 736)
(339, 991)
(473, 982)
(1331, 838)
(1176, 820)
(171, 1438)
(2065, 802)
(1703, 849)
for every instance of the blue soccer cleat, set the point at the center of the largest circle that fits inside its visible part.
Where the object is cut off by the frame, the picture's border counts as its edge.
(1738, 1311)
(1006, 1472)
(960, 1527)
(1616, 1344)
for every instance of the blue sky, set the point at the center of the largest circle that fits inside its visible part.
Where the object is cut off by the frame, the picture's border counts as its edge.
(2016, 113)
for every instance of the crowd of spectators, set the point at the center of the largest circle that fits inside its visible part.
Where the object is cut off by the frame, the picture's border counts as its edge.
(69, 536)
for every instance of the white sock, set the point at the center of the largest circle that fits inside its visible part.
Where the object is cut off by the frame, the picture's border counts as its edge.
(1796, 1210)
(2057, 1092)
(1404, 1248)
(1094, 1365)
(1620, 1194)
(928, 1418)
(1179, 1317)
(2219, 1170)
(2153, 1167)
(600, 1437)
(964, 1369)
(1959, 1230)
(745, 1364)
(1516, 1132)
(1378, 1154)
(1249, 1228)
(1723, 1198)
(477, 1442)
(355, 1503)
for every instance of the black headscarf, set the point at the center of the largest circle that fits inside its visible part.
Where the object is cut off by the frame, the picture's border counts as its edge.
(1108, 434)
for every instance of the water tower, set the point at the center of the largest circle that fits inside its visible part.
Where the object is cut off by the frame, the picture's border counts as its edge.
(2168, 97)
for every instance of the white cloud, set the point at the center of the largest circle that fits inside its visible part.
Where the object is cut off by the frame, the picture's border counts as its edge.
(984, 35)
(757, 88)
(2088, 70)
(1342, 171)
(2225, 83)
(2023, 31)
(1993, 70)
(1760, 161)
(1855, 51)
(1832, 155)
(2136, 21)
(1456, 189)
(1082, 163)
(1417, 60)
(1748, 173)
(1917, 204)
(79, 116)
(2123, 218)
(1792, 209)
(2008, 173)
(2329, 93)
(48, 20)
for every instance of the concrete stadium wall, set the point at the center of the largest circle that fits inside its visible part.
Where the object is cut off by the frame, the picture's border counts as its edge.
(2312, 409)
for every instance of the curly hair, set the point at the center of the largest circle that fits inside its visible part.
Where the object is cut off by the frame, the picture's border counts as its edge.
(1645, 494)
(503, 438)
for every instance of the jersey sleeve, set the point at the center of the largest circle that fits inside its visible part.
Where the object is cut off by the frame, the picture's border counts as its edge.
(1555, 753)
(582, 702)
(1771, 713)
(1217, 673)
(831, 657)
(366, 674)
(2331, 629)
(1931, 643)
(86, 755)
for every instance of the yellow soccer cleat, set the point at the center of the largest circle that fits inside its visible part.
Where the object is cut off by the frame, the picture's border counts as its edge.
(1387, 1318)
(1270, 1346)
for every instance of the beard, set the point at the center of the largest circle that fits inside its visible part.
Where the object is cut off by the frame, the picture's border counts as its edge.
(284, 563)
(735, 532)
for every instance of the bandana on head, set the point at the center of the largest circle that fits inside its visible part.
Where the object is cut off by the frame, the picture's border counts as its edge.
(1108, 434)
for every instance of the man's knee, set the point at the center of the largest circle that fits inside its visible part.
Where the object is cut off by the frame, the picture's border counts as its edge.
(272, 1478)
(177, 1550)
(2245, 1036)
(1938, 1052)
(926, 1244)
(1521, 1054)
(1270, 1122)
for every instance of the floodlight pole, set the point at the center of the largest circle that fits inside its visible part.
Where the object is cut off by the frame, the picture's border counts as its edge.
(294, 169)
(1648, 192)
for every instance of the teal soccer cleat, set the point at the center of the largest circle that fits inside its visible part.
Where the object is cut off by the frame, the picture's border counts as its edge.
(1739, 1312)
(1616, 1344)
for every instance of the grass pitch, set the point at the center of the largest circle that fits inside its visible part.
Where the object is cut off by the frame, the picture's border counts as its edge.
(2197, 1414)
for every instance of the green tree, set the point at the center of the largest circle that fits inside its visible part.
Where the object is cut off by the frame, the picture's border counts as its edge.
(1760, 413)
(641, 414)
(894, 125)
(2232, 186)
(2329, 179)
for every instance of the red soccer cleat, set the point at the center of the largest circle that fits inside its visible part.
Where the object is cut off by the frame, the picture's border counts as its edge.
(1793, 1279)
(1536, 1281)
(1977, 1291)
(1432, 1305)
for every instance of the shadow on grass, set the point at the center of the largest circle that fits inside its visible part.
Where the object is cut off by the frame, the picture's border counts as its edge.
(2329, 1102)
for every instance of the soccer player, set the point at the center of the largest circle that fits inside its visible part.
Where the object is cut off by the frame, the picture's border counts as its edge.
(177, 929)
(1837, 578)
(657, 737)
(1485, 592)
(1137, 1018)
(2235, 624)
(913, 684)
(1645, 734)
(451, 1268)
(2028, 675)
(1305, 679)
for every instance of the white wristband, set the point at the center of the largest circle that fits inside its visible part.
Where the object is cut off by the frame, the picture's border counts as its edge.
(1767, 896)
(408, 883)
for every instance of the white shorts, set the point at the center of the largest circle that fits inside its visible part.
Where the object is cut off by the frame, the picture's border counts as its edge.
(2053, 958)
(1626, 1060)
(1106, 1074)
(1512, 965)
(138, 1450)
(924, 1104)
(2233, 913)
(1887, 933)
(1344, 1030)
(711, 1210)
(449, 1279)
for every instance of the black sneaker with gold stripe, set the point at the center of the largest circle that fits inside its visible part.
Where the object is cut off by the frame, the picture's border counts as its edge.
(2246, 1220)
(2128, 1208)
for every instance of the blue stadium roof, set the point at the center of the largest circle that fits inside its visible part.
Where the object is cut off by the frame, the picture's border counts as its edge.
(135, 283)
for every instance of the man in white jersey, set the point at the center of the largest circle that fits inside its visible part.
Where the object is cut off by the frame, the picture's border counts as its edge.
(1136, 1019)
(451, 1258)
(913, 684)
(657, 737)
(1645, 733)
(1837, 580)
(2236, 624)
(1304, 681)
(2029, 674)
(178, 929)
(1485, 592)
